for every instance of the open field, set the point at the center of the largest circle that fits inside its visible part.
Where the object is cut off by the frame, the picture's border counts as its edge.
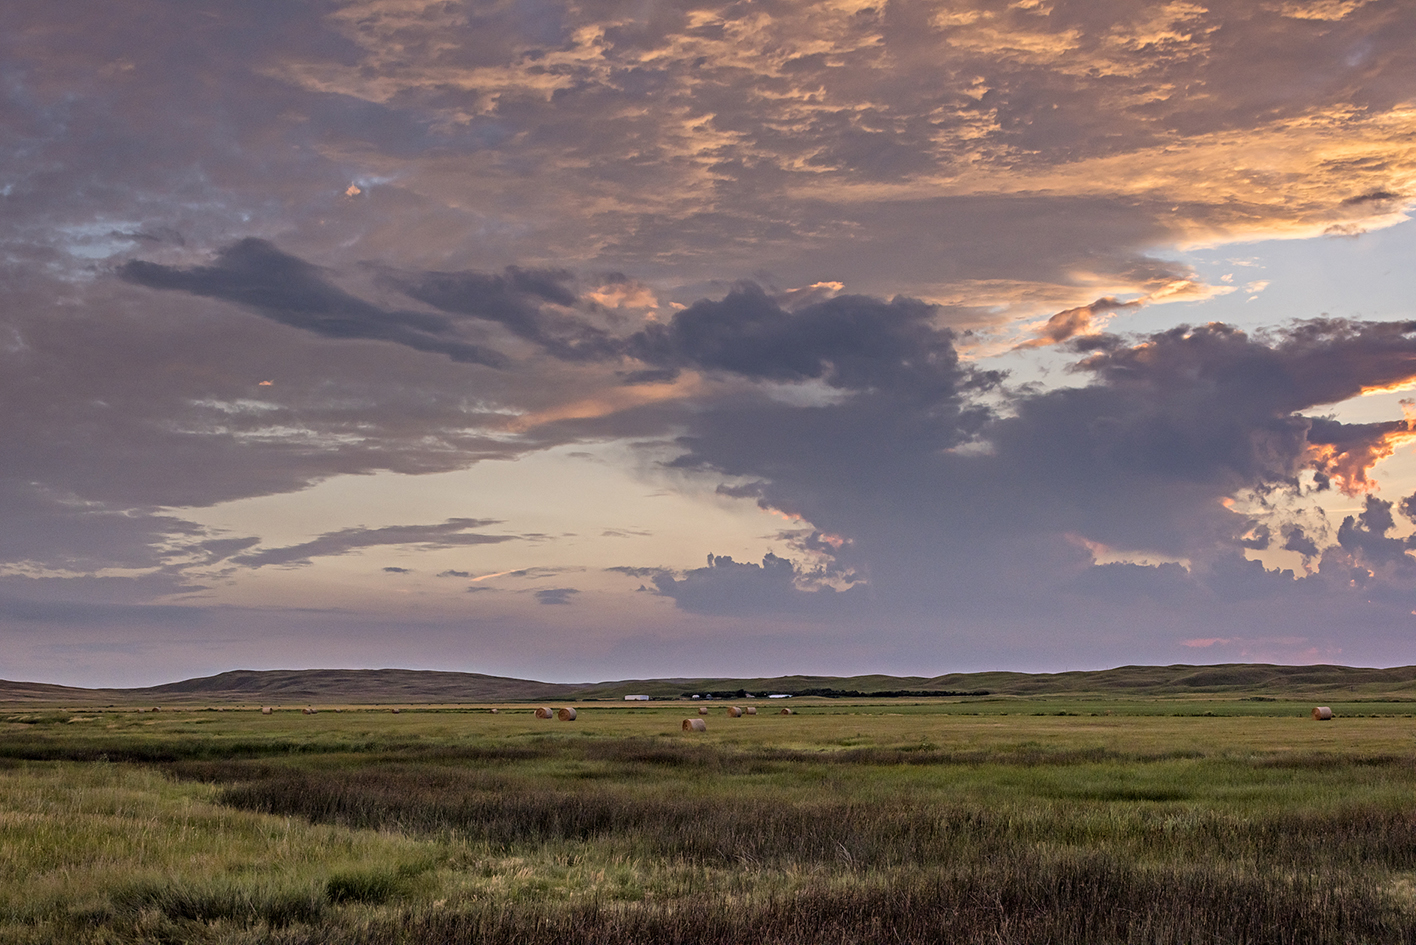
(995, 819)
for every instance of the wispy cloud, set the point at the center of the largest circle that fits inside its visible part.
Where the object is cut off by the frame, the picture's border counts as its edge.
(454, 533)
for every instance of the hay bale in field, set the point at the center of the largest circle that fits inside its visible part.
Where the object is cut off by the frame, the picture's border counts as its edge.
(395, 710)
(734, 712)
(1321, 713)
(566, 715)
(266, 710)
(544, 713)
(695, 725)
(495, 711)
(703, 710)
(786, 711)
(308, 710)
(750, 710)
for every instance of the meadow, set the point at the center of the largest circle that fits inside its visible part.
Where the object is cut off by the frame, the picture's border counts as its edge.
(1078, 820)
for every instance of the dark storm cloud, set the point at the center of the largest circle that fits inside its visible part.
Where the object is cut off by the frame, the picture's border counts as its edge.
(454, 533)
(1212, 403)
(1295, 539)
(256, 275)
(1365, 536)
(942, 508)
(851, 342)
(516, 300)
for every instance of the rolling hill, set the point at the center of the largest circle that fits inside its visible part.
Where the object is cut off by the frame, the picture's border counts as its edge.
(410, 686)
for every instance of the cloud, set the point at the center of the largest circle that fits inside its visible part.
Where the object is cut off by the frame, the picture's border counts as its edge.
(1144, 457)
(454, 533)
(731, 588)
(555, 595)
(1365, 537)
(254, 274)
(850, 342)
(516, 299)
(1075, 321)
(1295, 539)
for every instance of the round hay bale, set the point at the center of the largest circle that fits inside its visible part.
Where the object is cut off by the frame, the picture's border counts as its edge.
(750, 710)
(786, 711)
(395, 710)
(308, 710)
(1321, 713)
(734, 712)
(695, 725)
(544, 713)
(495, 711)
(703, 710)
(266, 710)
(566, 715)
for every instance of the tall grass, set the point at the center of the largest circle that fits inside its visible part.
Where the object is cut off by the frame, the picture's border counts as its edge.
(845, 829)
(1080, 900)
(869, 823)
(102, 852)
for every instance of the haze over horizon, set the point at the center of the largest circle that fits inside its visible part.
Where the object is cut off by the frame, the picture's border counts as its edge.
(635, 338)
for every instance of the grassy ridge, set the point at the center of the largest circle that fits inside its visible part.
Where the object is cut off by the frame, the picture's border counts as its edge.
(402, 686)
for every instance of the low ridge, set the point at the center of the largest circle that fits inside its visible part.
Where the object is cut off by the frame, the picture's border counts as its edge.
(375, 686)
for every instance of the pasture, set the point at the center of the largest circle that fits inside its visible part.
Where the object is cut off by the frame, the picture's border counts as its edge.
(1004, 819)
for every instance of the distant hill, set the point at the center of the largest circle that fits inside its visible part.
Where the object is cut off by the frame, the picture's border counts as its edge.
(411, 686)
(299, 686)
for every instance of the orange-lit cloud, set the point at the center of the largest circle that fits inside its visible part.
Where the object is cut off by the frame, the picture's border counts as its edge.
(611, 400)
(1392, 388)
(1349, 465)
(794, 115)
(484, 577)
(624, 294)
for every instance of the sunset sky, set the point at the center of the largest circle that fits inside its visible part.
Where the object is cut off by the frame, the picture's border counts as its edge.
(601, 339)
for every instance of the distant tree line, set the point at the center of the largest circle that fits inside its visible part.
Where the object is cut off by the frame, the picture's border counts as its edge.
(837, 693)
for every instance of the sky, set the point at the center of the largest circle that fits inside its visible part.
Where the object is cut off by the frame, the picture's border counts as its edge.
(603, 339)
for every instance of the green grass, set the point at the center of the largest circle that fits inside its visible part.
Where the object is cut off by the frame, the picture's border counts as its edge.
(1012, 820)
